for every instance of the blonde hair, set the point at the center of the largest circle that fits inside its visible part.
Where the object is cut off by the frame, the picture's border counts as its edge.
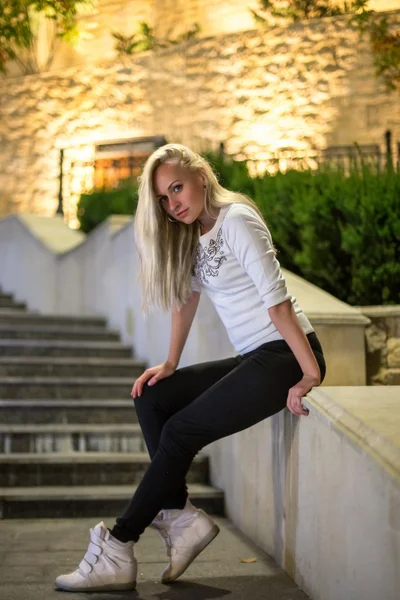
(166, 249)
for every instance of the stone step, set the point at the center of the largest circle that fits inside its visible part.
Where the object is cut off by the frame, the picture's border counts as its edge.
(84, 469)
(4, 310)
(12, 318)
(5, 295)
(49, 332)
(6, 301)
(71, 438)
(68, 502)
(67, 411)
(26, 347)
(69, 367)
(66, 387)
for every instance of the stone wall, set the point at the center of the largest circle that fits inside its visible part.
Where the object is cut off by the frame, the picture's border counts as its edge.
(383, 344)
(306, 86)
(167, 17)
(213, 16)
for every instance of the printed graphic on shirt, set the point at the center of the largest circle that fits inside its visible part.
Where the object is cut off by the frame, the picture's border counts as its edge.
(209, 259)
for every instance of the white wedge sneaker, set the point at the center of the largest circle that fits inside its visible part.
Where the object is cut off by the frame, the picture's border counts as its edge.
(107, 565)
(185, 534)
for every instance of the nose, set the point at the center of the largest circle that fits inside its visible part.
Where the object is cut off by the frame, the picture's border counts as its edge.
(174, 205)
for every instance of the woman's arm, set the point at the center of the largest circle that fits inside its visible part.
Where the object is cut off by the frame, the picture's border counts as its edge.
(180, 327)
(250, 241)
(285, 320)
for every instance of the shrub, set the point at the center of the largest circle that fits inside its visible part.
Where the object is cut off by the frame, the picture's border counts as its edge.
(94, 207)
(340, 231)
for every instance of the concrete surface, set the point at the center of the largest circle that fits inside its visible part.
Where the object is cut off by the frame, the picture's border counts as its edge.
(321, 493)
(52, 232)
(33, 553)
(369, 416)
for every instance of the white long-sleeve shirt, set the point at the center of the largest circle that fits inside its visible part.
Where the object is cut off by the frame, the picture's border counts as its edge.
(236, 266)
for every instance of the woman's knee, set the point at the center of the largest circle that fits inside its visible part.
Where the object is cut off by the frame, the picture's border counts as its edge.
(148, 399)
(177, 439)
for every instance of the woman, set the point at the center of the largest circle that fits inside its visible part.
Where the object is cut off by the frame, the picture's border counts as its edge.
(192, 233)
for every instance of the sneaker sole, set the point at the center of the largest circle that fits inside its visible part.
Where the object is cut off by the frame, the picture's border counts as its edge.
(199, 548)
(100, 588)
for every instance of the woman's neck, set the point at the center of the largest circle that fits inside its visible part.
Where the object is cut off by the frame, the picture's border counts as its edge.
(206, 227)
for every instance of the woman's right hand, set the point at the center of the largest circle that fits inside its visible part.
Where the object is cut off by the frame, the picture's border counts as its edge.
(152, 375)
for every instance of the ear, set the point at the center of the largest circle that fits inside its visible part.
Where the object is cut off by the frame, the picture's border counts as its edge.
(203, 177)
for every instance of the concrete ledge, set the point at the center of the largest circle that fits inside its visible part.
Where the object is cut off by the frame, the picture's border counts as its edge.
(337, 319)
(380, 311)
(369, 417)
(53, 232)
(321, 493)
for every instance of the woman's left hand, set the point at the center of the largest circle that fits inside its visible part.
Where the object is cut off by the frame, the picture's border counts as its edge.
(298, 391)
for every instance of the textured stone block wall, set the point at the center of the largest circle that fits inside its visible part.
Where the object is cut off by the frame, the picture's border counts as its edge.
(72, 108)
(383, 345)
(167, 17)
(214, 16)
(310, 85)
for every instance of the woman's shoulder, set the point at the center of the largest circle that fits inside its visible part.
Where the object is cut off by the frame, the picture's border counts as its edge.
(239, 211)
(242, 222)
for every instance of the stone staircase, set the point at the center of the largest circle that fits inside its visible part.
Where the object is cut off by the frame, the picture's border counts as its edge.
(70, 444)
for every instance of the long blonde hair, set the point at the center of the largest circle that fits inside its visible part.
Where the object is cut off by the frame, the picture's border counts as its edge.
(166, 249)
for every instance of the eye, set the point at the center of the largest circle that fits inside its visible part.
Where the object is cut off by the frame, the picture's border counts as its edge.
(176, 187)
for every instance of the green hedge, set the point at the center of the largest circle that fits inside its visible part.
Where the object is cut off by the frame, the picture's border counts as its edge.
(340, 232)
(93, 208)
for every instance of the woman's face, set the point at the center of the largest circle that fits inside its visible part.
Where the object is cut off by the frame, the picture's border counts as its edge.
(179, 189)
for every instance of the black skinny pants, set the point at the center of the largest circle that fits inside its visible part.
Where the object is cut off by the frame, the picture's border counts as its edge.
(197, 405)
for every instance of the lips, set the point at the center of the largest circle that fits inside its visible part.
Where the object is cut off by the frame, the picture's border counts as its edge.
(182, 213)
